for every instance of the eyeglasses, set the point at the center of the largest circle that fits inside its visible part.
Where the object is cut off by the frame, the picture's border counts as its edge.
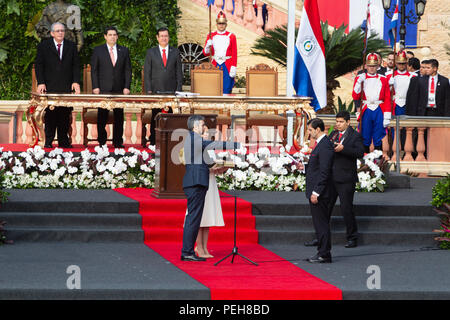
(59, 31)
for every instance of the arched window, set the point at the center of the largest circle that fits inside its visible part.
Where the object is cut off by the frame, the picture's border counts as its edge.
(191, 55)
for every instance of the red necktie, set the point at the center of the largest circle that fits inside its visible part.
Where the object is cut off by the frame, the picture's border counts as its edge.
(59, 50)
(432, 89)
(340, 136)
(164, 57)
(315, 145)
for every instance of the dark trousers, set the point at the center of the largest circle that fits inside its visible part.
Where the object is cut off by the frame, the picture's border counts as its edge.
(321, 221)
(102, 119)
(153, 126)
(195, 204)
(345, 192)
(57, 121)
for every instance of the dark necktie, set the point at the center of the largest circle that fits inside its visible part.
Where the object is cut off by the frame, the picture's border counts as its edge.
(59, 50)
(164, 57)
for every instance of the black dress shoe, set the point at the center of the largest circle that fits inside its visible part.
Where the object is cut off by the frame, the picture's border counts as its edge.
(65, 146)
(319, 259)
(48, 146)
(312, 243)
(351, 244)
(119, 146)
(192, 258)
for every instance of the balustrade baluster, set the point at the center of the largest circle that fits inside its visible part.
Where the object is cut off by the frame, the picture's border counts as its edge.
(19, 128)
(385, 147)
(239, 11)
(138, 132)
(259, 19)
(128, 130)
(250, 16)
(420, 144)
(74, 128)
(409, 148)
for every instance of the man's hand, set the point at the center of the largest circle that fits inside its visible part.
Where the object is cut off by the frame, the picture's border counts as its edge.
(41, 89)
(300, 166)
(314, 199)
(96, 91)
(76, 88)
(338, 147)
(126, 91)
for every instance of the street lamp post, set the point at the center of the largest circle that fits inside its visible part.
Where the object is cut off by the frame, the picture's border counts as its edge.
(410, 17)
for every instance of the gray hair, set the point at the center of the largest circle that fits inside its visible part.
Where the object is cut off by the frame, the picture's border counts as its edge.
(193, 120)
(52, 28)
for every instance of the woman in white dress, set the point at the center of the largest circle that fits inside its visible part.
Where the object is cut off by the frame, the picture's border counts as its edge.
(212, 212)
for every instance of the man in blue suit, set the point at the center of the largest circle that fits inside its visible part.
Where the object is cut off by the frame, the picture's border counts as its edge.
(196, 181)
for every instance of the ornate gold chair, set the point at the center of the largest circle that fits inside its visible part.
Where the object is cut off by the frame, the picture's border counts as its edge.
(262, 81)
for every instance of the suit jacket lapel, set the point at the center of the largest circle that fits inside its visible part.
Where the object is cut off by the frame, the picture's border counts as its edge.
(53, 48)
(65, 48)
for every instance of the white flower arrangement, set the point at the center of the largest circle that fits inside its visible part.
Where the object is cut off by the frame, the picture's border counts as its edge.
(58, 169)
(104, 170)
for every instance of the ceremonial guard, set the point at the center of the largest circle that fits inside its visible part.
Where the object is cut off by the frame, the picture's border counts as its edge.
(399, 81)
(375, 112)
(221, 45)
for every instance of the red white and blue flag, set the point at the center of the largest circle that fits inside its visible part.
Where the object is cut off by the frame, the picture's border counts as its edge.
(393, 30)
(354, 12)
(309, 72)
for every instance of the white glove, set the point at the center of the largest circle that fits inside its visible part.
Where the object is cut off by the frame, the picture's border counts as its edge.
(391, 81)
(387, 119)
(208, 46)
(233, 71)
(361, 78)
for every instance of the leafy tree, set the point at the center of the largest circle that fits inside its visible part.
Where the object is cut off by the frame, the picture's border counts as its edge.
(343, 52)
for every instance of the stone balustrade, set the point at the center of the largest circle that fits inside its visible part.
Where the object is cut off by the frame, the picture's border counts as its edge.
(244, 13)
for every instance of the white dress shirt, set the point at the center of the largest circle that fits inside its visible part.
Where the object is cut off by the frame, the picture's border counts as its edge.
(161, 51)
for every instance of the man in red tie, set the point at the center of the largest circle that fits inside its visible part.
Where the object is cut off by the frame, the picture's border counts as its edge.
(111, 74)
(57, 69)
(162, 74)
(431, 94)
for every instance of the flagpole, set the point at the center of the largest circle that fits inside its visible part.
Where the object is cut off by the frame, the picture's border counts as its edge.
(209, 57)
(290, 65)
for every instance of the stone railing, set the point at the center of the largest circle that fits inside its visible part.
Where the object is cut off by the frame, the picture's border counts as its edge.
(18, 130)
(244, 13)
(425, 149)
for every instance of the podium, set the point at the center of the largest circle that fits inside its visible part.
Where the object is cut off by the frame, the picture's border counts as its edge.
(171, 130)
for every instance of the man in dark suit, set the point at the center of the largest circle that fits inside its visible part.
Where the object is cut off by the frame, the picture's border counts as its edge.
(196, 181)
(430, 94)
(110, 74)
(162, 74)
(348, 147)
(57, 68)
(319, 186)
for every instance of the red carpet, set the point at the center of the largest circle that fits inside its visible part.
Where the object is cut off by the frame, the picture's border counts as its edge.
(273, 279)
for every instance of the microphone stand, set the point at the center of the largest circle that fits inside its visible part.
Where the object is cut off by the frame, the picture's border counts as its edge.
(234, 252)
